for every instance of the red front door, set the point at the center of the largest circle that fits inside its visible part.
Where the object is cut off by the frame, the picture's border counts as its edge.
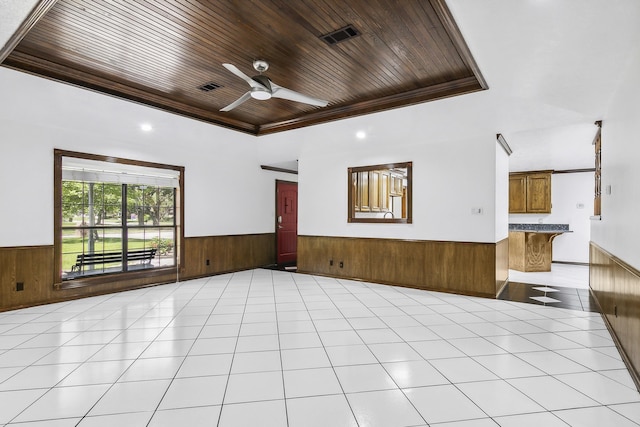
(286, 221)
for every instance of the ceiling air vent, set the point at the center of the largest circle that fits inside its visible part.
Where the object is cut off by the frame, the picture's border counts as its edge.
(208, 87)
(341, 35)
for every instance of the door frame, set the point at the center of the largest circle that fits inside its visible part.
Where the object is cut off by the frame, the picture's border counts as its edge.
(275, 216)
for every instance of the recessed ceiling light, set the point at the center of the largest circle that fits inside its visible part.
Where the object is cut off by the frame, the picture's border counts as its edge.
(361, 134)
(146, 127)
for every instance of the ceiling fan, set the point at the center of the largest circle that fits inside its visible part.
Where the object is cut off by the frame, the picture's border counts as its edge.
(262, 88)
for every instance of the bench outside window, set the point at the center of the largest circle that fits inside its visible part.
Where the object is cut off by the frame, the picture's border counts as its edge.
(102, 262)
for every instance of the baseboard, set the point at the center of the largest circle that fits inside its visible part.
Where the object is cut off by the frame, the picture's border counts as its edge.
(585, 264)
(403, 285)
(502, 288)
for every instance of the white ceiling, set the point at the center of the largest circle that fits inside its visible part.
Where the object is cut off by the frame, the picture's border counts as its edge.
(552, 67)
(12, 13)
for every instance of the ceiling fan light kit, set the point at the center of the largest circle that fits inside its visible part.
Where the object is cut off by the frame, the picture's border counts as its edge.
(262, 88)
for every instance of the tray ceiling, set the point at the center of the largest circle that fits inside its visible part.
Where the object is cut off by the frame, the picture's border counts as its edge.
(160, 53)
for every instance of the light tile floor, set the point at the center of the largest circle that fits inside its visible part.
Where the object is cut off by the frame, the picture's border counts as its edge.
(274, 348)
(567, 275)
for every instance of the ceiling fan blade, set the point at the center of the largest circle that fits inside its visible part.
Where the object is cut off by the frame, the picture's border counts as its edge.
(243, 76)
(284, 93)
(237, 102)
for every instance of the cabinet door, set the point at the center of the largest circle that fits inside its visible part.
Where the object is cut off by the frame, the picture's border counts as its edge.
(355, 192)
(374, 191)
(539, 193)
(396, 185)
(517, 194)
(363, 187)
(384, 191)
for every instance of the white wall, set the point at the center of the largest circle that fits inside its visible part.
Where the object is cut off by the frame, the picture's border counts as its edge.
(568, 191)
(454, 168)
(619, 230)
(449, 179)
(226, 192)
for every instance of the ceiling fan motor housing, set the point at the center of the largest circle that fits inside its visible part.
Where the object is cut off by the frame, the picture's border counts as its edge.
(258, 92)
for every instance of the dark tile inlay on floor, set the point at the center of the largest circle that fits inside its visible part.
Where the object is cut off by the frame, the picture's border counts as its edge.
(553, 296)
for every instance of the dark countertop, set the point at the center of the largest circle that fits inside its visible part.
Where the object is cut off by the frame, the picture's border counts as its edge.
(541, 228)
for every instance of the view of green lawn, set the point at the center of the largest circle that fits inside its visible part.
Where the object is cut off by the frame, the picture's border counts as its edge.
(72, 246)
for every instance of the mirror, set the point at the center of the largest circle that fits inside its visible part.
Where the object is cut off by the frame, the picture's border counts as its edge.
(380, 193)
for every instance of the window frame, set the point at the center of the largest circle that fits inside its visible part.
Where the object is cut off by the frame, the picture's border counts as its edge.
(82, 281)
(351, 202)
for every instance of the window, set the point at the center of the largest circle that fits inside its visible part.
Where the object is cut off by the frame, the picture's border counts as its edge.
(115, 217)
(380, 193)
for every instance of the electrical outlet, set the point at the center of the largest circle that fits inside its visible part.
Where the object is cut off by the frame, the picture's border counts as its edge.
(19, 286)
(341, 264)
(331, 262)
(208, 262)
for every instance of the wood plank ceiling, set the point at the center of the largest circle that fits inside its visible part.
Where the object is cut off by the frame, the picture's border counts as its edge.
(160, 52)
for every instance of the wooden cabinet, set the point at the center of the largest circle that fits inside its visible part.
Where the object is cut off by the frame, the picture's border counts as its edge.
(396, 184)
(530, 192)
(517, 193)
(371, 191)
(374, 190)
(363, 191)
(385, 179)
(530, 251)
(539, 193)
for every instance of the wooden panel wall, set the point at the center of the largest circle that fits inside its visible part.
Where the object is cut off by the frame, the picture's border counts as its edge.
(33, 266)
(465, 268)
(227, 253)
(502, 264)
(616, 287)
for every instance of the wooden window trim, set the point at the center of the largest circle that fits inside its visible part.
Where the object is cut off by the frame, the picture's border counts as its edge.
(57, 221)
(407, 208)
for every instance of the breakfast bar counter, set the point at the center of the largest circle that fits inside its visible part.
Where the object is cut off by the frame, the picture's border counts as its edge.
(530, 245)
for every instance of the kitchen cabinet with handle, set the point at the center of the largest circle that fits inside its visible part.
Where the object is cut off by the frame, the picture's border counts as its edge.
(530, 192)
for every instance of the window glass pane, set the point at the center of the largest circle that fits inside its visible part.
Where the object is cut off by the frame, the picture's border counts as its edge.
(166, 216)
(141, 205)
(93, 228)
(165, 244)
(151, 247)
(91, 251)
(166, 196)
(110, 210)
(73, 201)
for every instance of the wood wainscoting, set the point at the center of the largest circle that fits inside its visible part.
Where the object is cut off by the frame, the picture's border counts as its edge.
(615, 286)
(478, 269)
(502, 265)
(227, 254)
(33, 267)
